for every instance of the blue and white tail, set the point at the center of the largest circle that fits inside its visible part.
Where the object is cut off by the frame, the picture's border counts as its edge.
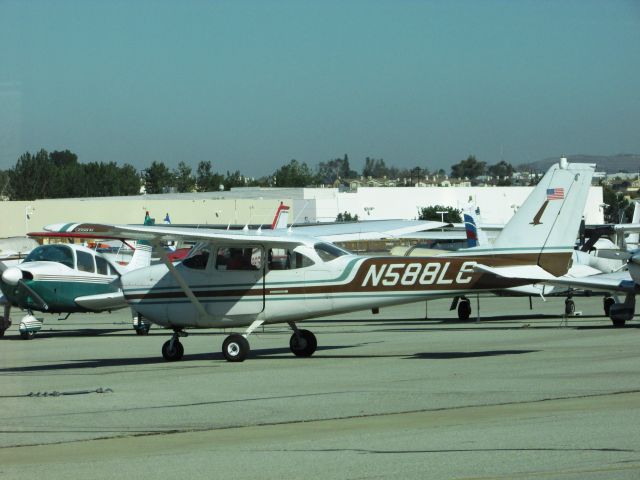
(476, 237)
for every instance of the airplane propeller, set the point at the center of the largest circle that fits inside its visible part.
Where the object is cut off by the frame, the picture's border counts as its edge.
(14, 277)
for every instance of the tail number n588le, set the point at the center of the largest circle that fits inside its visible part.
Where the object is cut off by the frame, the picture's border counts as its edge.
(408, 274)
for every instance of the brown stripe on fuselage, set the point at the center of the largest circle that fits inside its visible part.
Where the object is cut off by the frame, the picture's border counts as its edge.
(386, 274)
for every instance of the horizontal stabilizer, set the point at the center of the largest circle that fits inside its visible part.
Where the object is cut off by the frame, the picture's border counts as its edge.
(534, 273)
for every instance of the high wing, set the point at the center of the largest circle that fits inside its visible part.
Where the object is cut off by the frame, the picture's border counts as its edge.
(332, 233)
(367, 230)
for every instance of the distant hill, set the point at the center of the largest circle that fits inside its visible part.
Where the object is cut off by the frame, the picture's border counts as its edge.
(623, 162)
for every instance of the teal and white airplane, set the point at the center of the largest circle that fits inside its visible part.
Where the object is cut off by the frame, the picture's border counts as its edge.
(66, 278)
(232, 279)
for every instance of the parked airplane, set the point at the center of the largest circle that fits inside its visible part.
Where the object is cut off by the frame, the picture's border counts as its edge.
(229, 281)
(65, 278)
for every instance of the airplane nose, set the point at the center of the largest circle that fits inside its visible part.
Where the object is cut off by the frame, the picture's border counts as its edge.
(12, 276)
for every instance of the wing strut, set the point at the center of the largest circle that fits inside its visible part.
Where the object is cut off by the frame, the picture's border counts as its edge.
(185, 287)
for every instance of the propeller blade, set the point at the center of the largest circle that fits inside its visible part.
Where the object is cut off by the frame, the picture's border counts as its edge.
(34, 295)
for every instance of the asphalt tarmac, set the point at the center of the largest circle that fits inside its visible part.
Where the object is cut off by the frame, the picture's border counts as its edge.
(520, 394)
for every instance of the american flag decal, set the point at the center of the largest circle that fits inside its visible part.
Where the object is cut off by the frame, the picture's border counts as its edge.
(555, 193)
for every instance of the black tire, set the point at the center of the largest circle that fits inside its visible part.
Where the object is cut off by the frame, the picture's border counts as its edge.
(304, 345)
(2, 333)
(618, 323)
(607, 303)
(235, 348)
(172, 355)
(569, 307)
(464, 309)
(143, 330)
(27, 335)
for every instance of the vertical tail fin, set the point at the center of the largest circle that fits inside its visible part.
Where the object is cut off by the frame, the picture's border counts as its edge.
(548, 221)
(141, 256)
(476, 237)
(281, 218)
(634, 238)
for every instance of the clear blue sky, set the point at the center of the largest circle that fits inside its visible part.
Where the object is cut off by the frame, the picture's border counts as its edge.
(250, 85)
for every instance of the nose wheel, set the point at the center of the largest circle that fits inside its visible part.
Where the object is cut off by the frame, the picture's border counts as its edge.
(172, 350)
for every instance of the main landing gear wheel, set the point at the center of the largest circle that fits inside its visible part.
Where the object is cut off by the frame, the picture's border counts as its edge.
(618, 323)
(143, 329)
(464, 309)
(235, 348)
(607, 303)
(303, 343)
(569, 307)
(172, 353)
(27, 335)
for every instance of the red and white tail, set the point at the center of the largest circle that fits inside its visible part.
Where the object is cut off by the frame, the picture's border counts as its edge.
(281, 218)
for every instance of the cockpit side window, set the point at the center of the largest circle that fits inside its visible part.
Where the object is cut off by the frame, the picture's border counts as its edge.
(239, 258)
(85, 262)
(103, 266)
(328, 252)
(51, 253)
(198, 259)
(284, 259)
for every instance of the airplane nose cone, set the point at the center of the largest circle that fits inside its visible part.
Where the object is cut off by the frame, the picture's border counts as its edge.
(12, 276)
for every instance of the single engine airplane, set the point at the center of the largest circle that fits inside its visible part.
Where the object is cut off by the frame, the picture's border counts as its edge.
(66, 278)
(229, 279)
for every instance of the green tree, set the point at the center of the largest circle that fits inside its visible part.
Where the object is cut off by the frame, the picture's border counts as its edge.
(206, 179)
(338, 168)
(157, 177)
(233, 180)
(501, 170)
(294, 174)
(469, 168)
(618, 209)
(375, 168)
(183, 178)
(453, 215)
(346, 217)
(32, 177)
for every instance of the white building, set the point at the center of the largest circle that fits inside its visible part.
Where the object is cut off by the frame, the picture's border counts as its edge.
(258, 206)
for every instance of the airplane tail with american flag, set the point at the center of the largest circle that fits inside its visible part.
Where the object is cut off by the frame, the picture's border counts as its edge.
(546, 225)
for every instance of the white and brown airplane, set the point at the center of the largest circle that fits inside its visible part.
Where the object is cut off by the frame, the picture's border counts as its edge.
(245, 279)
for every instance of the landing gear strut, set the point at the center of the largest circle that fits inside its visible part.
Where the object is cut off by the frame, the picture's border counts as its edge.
(5, 323)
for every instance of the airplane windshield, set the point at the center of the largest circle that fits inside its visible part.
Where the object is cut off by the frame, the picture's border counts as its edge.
(51, 253)
(328, 252)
